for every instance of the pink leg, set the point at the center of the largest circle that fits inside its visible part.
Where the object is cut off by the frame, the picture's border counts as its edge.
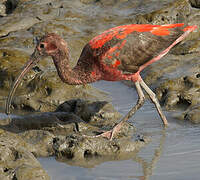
(155, 101)
(110, 134)
(138, 84)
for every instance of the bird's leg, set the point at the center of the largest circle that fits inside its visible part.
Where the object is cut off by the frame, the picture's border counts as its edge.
(155, 101)
(140, 102)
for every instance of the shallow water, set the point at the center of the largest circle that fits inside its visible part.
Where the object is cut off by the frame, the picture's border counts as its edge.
(173, 153)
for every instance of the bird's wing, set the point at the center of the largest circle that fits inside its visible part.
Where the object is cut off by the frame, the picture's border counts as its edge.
(128, 47)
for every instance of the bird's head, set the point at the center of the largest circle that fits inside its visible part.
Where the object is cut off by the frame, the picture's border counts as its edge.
(49, 45)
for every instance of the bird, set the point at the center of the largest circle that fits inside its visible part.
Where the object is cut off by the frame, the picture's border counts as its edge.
(119, 53)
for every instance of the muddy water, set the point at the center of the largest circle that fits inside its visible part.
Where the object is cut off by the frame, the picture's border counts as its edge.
(173, 153)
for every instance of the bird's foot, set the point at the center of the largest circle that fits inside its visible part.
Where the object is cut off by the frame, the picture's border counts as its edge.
(108, 134)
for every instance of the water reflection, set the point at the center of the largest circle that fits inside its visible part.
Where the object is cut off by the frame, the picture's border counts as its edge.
(148, 167)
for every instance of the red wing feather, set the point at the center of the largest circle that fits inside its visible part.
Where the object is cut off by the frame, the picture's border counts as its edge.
(121, 32)
(130, 48)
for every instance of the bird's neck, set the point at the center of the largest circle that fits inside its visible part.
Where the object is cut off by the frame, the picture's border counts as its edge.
(75, 76)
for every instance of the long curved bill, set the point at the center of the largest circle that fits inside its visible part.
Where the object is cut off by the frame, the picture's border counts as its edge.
(30, 63)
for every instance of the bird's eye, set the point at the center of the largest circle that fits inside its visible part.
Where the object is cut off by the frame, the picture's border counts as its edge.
(42, 46)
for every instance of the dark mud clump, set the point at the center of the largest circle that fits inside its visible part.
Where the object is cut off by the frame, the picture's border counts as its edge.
(17, 162)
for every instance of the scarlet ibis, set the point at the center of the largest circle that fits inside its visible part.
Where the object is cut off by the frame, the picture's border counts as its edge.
(119, 53)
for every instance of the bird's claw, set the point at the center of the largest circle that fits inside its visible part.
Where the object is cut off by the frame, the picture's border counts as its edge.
(108, 134)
